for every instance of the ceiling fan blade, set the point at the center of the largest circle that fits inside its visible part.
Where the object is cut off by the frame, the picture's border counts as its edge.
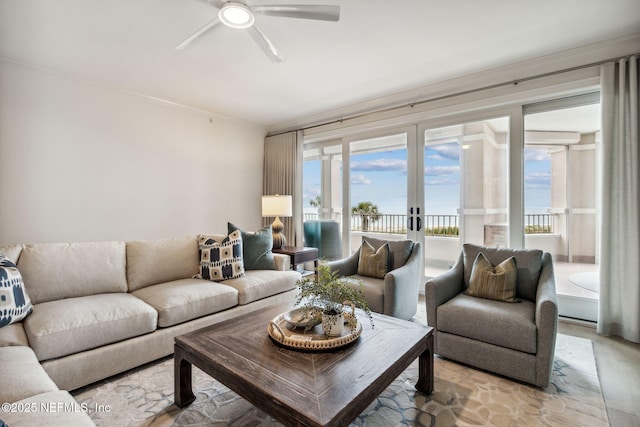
(205, 29)
(265, 44)
(302, 11)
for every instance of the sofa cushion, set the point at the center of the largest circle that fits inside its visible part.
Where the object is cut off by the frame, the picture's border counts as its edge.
(494, 322)
(258, 284)
(22, 375)
(372, 262)
(53, 271)
(187, 299)
(487, 281)
(528, 261)
(256, 248)
(55, 408)
(399, 250)
(67, 326)
(15, 304)
(158, 261)
(220, 260)
(13, 335)
(12, 252)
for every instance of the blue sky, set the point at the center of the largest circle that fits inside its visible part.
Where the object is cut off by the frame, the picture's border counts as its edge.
(381, 178)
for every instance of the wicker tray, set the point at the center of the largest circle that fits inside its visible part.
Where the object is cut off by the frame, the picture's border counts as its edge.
(313, 339)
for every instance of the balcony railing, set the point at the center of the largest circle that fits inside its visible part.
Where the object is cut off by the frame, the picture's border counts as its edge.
(435, 225)
(538, 224)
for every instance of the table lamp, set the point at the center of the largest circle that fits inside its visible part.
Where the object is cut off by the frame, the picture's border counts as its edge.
(277, 206)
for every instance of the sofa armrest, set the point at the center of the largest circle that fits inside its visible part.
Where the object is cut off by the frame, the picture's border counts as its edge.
(546, 318)
(283, 262)
(346, 266)
(442, 288)
(401, 286)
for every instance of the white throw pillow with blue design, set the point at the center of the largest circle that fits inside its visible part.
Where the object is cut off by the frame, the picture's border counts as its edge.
(15, 304)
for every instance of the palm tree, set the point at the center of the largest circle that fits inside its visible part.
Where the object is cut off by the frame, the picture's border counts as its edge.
(368, 212)
(316, 202)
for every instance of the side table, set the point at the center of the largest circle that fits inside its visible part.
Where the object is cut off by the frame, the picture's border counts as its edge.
(300, 255)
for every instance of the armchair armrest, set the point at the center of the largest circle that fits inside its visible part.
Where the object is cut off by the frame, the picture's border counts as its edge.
(442, 288)
(546, 318)
(401, 286)
(346, 266)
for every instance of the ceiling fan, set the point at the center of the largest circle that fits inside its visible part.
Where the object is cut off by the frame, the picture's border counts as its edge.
(239, 15)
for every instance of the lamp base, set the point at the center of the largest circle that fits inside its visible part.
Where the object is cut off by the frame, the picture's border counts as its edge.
(279, 241)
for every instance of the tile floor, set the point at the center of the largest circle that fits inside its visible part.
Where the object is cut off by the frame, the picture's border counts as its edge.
(618, 364)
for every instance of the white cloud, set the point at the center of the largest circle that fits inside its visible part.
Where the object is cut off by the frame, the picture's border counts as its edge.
(445, 151)
(537, 180)
(441, 170)
(536, 154)
(360, 179)
(378, 165)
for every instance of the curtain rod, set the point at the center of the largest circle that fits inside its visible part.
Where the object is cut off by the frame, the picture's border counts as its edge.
(453, 95)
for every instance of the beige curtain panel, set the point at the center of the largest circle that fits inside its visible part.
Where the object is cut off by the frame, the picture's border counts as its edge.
(619, 307)
(283, 175)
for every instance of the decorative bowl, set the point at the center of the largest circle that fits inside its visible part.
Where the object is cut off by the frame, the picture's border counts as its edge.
(303, 318)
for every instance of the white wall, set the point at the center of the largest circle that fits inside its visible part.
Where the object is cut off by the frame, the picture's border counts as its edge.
(82, 162)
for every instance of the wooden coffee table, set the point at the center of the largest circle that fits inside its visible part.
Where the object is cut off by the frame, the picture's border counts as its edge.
(322, 388)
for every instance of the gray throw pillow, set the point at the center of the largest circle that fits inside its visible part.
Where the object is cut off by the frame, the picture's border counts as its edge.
(256, 248)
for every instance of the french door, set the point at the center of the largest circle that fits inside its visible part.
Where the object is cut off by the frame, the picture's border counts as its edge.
(380, 192)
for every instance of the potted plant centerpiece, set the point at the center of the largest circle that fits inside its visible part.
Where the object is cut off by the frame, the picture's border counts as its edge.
(328, 293)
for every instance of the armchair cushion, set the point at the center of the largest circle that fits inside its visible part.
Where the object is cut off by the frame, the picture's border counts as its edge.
(373, 263)
(480, 319)
(528, 261)
(497, 283)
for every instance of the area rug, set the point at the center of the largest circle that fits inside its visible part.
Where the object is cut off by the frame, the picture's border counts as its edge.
(463, 396)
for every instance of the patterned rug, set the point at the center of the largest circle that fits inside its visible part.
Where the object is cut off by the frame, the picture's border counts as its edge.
(463, 396)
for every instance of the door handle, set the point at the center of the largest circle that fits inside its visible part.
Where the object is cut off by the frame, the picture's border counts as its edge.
(419, 221)
(410, 223)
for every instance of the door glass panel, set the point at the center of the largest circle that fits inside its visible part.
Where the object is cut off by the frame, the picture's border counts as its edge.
(378, 188)
(560, 201)
(465, 189)
(322, 200)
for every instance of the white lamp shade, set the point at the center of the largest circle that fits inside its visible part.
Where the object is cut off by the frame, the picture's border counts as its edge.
(276, 206)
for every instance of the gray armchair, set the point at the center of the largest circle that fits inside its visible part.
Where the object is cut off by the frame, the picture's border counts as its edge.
(516, 340)
(397, 293)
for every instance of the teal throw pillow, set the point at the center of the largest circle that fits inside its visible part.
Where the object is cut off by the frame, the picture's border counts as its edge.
(256, 248)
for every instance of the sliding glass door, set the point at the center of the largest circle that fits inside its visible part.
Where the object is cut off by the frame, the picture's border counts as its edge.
(561, 141)
(382, 190)
(465, 189)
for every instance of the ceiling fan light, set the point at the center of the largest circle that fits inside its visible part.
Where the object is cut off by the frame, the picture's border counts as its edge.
(236, 15)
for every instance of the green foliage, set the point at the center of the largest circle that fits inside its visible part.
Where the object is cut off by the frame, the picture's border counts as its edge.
(368, 211)
(538, 229)
(442, 231)
(330, 292)
(316, 202)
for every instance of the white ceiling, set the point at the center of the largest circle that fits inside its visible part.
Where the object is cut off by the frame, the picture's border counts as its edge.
(378, 48)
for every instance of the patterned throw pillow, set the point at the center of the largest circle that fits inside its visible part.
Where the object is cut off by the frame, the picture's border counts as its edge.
(373, 263)
(15, 304)
(220, 260)
(497, 283)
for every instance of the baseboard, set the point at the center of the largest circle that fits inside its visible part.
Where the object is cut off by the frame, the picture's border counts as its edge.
(580, 322)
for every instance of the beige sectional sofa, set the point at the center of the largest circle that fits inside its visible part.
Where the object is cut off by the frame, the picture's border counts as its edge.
(101, 308)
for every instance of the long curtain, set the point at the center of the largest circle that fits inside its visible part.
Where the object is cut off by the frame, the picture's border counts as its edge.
(619, 308)
(283, 175)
